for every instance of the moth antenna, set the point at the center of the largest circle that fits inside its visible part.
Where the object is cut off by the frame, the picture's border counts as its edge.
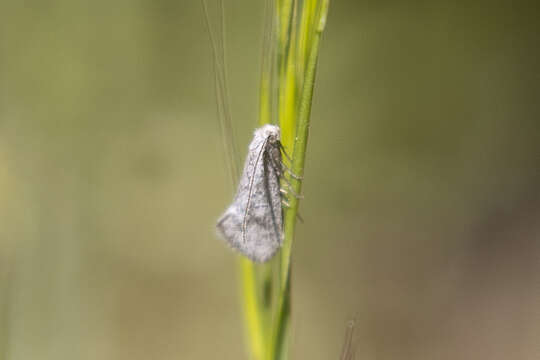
(250, 188)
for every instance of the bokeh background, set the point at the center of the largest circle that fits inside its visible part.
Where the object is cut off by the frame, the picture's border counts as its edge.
(422, 185)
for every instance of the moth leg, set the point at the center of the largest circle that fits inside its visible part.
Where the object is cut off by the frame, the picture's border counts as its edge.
(279, 170)
(284, 195)
(283, 166)
(293, 175)
(291, 190)
(285, 152)
(285, 203)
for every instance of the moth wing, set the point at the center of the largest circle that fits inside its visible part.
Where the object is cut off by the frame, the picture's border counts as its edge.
(264, 223)
(229, 226)
(253, 223)
(273, 188)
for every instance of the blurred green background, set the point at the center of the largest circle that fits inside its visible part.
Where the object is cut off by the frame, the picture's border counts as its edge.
(422, 183)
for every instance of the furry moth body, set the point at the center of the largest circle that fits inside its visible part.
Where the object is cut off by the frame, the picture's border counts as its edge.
(253, 223)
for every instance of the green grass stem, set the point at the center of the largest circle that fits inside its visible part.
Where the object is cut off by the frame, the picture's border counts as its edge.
(290, 52)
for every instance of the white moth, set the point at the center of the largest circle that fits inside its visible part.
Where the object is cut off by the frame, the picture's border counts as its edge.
(253, 223)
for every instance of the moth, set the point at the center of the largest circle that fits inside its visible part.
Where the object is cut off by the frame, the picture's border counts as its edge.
(253, 223)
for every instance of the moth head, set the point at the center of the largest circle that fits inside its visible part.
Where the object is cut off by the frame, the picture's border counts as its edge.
(272, 132)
